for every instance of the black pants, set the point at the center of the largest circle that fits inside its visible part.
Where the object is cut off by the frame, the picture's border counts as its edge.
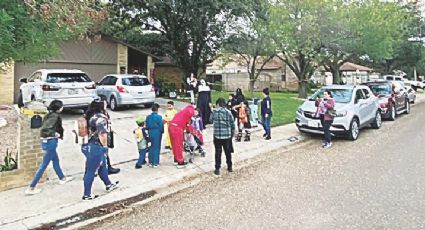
(223, 144)
(326, 126)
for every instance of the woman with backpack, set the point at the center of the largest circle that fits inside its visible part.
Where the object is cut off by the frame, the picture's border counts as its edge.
(51, 130)
(95, 151)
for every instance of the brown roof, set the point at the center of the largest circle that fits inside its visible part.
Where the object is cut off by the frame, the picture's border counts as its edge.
(351, 67)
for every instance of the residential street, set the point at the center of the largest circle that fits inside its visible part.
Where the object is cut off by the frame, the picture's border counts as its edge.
(376, 182)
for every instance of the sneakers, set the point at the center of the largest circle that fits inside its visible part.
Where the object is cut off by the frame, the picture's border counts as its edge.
(32, 191)
(268, 137)
(203, 153)
(154, 166)
(217, 172)
(113, 170)
(91, 197)
(229, 169)
(181, 165)
(138, 166)
(265, 135)
(65, 180)
(112, 187)
(327, 145)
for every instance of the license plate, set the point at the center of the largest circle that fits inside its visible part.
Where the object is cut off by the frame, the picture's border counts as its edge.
(72, 91)
(314, 123)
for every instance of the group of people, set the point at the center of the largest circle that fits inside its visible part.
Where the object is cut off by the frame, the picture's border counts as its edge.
(148, 133)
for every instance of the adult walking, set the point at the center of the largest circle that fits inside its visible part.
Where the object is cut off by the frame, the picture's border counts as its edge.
(176, 130)
(204, 102)
(51, 131)
(266, 113)
(155, 128)
(95, 151)
(325, 108)
(224, 129)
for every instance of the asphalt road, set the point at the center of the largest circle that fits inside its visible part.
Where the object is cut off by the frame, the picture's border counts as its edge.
(377, 182)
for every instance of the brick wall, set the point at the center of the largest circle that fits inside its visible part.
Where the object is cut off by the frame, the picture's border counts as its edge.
(169, 74)
(30, 156)
(6, 83)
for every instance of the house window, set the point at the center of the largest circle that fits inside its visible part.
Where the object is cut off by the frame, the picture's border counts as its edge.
(283, 77)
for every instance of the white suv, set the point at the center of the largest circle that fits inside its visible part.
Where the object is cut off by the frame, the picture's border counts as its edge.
(73, 87)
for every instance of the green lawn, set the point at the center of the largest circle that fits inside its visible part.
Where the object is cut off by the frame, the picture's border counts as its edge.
(284, 105)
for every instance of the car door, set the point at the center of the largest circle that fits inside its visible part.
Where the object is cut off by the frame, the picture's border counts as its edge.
(32, 89)
(362, 105)
(399, 96)
(372, 106)
(100, 91)
(109, 87)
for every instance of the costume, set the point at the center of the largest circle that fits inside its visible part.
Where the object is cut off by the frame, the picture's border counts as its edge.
(169, 115)
(253, 108)
(176, 130)
(243, 116)
(155, 129)
(204, 101)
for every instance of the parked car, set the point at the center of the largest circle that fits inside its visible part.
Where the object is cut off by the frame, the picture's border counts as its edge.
(393, 97)
(392, 78)
(356, 107)
(73, 87)
(125, 90)
(411, 94)
(414, 84)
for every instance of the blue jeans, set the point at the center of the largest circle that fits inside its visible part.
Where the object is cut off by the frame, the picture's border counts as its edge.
(95, 161)
(49, 146)
(266, 124)
(142, 156)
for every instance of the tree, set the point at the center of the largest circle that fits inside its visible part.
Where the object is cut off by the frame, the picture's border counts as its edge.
(30, 30)
(249, 44)
(294, 29)
(193, 29)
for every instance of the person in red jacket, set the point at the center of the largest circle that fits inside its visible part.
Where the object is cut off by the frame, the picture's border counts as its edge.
(176, 131)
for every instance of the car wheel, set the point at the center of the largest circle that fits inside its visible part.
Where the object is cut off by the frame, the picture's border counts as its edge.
(148, 105)
(354, 131)
(20, 100)
(392, 113)
(413, 100)
(407, 111)
(376, 124)
(113, 104)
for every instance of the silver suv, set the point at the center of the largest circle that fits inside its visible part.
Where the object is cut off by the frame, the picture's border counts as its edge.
(356, 107)
(73, 87)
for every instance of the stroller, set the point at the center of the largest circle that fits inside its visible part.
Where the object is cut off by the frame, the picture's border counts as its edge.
(192, 143)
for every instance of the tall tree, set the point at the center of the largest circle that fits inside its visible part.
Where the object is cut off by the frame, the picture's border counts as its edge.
(294, 28)
(250, 44)
(193, 29)
(30, 30)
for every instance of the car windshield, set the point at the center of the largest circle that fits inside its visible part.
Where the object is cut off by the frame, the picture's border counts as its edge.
(339, 95)
(135, 81)
(380, 89)
(67, 77)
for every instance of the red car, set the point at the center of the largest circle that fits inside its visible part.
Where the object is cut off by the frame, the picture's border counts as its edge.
(393, 98)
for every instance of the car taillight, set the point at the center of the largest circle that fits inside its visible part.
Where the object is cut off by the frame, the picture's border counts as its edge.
(91, 86)
(50, 88)
(121, 89)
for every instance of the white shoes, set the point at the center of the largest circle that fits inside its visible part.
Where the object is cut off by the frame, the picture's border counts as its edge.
(65, 180)
(32, 191)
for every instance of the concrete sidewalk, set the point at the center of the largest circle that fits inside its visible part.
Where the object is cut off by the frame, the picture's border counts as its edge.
(57, 202)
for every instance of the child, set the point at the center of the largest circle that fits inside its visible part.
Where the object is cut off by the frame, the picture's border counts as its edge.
(266, 113)
(253, 108)
(51, 130)
(244, 122)
(141, 135)
(169, 115)
(155, 128)
(197, 125)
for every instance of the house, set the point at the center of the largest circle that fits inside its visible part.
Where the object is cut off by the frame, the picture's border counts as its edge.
(96, 57)
(275, 75)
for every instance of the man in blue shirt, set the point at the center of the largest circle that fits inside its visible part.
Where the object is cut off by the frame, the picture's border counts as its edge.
(266, 113)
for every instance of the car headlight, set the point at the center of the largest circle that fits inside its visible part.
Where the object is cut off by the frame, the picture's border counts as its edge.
(299, 110)
(341, 113)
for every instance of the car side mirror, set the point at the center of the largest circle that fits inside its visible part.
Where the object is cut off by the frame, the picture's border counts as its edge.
(23, 80)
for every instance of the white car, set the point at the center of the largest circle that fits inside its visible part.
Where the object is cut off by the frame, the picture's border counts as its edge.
(356, 107)
(73, 87)
(126, 90)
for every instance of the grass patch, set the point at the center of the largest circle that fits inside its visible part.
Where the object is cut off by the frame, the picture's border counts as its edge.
(284, 105)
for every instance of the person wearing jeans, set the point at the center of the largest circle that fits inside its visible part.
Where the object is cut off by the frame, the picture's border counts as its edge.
(224, 129)
(95, 152)
(266, 113)
(51, 130)
(323, 107)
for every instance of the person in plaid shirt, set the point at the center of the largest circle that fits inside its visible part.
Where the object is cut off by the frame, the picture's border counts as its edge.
(224, 129)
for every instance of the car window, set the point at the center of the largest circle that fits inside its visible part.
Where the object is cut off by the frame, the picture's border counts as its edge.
(380, 89)
(135, 81)
(112, 81)
(35, 76)
(67, 77)
(104, 80)
(109, 80)
(366, 93)
(339, 95)
(360, 95)
(389, 78)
